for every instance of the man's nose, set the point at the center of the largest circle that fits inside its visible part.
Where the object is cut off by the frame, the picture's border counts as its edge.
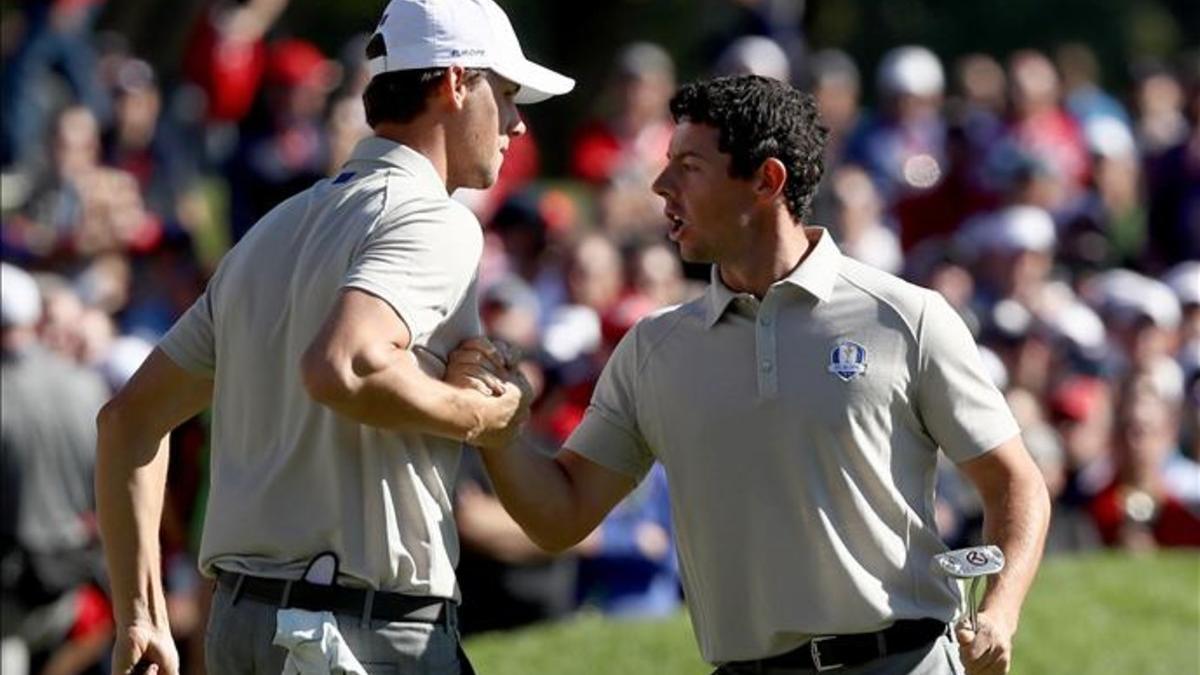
(516, 126)
(659, 186)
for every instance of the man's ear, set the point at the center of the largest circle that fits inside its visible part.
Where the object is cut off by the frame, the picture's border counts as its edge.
(770, 179)
(453, 87)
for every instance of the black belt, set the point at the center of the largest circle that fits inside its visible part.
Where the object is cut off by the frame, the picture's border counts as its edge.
(831, 652)
(357, 602)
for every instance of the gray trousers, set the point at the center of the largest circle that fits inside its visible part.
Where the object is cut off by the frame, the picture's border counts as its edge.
(240, 635)
(939, 658)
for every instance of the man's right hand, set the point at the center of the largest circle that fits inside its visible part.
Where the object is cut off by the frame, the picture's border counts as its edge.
(479, 364)
(505, 415)
(142, 648)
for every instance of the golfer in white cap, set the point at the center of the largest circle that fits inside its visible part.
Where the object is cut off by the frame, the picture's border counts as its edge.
(320, 344)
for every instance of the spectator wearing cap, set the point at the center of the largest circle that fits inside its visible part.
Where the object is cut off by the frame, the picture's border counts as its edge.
(1184, 280)
(1143, 317)
(1014, 254)
(903, 146)
(1018, 338)
(1081, 410)
(1106, 225)
(754, 55)
(48, 538)
(530, 252)
(144, 143)
(283, 147)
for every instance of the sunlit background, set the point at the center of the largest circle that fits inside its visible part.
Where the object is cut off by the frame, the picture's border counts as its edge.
(1035, 161)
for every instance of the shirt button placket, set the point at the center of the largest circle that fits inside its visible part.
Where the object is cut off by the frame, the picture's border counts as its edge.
(768, 371)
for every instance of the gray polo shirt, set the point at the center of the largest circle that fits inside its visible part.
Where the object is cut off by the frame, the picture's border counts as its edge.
(800, 437)
(292, 478)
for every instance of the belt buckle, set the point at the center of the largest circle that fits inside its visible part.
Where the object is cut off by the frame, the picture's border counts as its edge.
(815, 650)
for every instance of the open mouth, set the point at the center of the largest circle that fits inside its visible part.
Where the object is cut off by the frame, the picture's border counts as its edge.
(676, 224)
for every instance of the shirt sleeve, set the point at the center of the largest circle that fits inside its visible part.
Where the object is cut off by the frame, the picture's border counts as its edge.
(609, 433)
(961, 407)
(191, 342)
(419, 259)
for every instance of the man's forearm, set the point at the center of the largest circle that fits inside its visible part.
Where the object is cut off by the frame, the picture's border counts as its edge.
(394, 393)
(1016, 520)
(538, 493)
(557, 501)
(131, 473)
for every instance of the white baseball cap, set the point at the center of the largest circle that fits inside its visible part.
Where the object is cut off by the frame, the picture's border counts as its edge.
(1013, 229)
(1109, 137)
(20, 299)
(1184, 279)
(1125, 294)
(912, 70)
(420, 34)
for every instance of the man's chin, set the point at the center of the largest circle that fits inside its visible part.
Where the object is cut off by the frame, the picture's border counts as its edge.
(689, 255)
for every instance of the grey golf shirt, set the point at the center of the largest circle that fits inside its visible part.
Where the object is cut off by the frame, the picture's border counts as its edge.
(292, 478)
(800, 437)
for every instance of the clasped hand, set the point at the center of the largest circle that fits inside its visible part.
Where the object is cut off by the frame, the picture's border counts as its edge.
(491, 370)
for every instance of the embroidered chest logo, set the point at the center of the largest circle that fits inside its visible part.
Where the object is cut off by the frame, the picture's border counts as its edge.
(848, 360)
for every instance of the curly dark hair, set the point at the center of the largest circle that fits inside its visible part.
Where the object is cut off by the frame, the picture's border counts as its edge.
(758, 118)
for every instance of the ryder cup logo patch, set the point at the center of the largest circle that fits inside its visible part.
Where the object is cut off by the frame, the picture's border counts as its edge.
(848, 360)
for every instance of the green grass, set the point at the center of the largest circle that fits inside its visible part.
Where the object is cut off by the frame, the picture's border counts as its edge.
(1090, 615)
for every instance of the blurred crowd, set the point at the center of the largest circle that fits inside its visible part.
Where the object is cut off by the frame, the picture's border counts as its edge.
(1060, 218)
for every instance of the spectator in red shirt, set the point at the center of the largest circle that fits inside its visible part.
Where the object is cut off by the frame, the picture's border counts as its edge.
(1143, 508)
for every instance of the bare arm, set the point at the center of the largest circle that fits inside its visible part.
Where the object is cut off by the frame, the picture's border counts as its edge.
(360, 365)
(131, 474)
(557, 501)
(484, 525)
(1016, 515)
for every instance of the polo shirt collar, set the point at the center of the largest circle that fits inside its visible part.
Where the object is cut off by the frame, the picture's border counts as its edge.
(816, 274)
(378, 150)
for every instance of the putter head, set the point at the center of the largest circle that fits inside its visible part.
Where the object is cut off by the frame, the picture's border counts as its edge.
(969, 563)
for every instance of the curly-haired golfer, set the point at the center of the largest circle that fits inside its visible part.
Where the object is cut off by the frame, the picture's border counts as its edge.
(799, 407)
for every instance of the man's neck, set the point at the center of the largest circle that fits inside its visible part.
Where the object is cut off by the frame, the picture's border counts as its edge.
(423, 137)
(767, 260)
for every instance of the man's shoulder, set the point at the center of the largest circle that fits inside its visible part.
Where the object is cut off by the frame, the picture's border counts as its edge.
(652, 329)
(904, 297)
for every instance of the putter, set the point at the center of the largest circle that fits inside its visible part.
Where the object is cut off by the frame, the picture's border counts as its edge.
(976, 563)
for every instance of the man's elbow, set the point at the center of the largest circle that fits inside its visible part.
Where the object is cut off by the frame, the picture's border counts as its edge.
(113, 418)
(325, 382)
(555, 543)
(559, 535)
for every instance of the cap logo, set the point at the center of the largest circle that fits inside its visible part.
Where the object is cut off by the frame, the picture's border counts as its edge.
(848, 360)
(459, 53)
